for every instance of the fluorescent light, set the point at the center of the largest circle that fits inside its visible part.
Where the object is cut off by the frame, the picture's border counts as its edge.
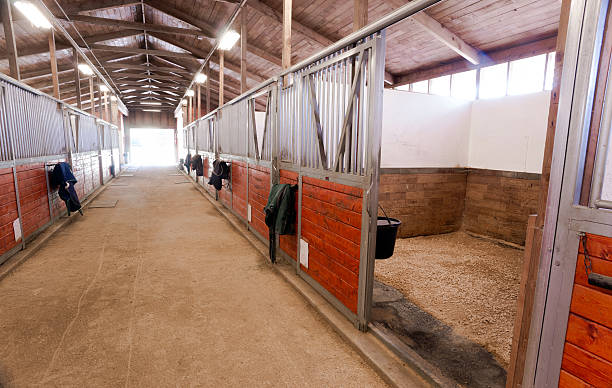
(184, 102)
(33, 14)
(200, 78)
(190, 93)
(113, 98)
(151, 110)
(103, 88)
(85, 69)
(149, 103)
(228, 40)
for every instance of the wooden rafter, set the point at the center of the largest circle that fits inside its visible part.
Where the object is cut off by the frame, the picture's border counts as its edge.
(134, 50)
(125, 24)
(9, 36)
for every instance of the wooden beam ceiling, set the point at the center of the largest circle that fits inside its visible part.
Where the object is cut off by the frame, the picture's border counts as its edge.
(134, 50)
(129, 25)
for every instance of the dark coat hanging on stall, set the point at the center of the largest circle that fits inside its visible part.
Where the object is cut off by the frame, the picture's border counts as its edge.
(197, 164)
(63, 178)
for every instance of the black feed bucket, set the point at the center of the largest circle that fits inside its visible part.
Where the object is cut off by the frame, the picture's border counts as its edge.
(386, 233)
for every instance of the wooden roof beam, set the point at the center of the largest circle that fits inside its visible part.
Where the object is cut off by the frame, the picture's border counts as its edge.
(145, 67)
(125, 24)
(444, 35)
(134, 50)
(208, 29)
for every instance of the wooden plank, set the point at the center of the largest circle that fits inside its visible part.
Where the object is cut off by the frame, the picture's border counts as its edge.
(590, 336)
(597, 246)
(199, 93)
(134, 50)
(287, 8)
(586, 366)
(207, 88)
(567, 380)
(221, 70)
(9, 37)
(593, 305)
(124, 24)
(447, 37)
(243, 50)
(300, 28)
(522, 319)
(360, 14)
(91, 95)
(53, 63)
(599, 266)
(144, 66)
(77, 76)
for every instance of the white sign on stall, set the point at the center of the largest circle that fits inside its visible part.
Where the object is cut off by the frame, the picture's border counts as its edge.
(304, 253)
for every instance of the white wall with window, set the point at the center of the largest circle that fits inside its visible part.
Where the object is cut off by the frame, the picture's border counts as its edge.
(522, 76)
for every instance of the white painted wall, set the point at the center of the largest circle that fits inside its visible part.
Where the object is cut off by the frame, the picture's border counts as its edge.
(421, 130)
(509, 133)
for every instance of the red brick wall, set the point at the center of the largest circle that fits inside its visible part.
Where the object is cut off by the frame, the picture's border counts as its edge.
(239, 188)
(259, 189)
(331, 224)
(8, 210)
(498, 203)
(289, 243)
(426, 201)
(587, 357)
(33, 197)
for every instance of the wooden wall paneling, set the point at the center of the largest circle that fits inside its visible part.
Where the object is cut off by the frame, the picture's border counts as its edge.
(221, 77)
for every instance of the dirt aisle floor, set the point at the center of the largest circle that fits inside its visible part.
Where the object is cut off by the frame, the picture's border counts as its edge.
(162, 291)
(466, 282)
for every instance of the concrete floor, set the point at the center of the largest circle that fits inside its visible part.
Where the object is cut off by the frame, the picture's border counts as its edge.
(162, 291)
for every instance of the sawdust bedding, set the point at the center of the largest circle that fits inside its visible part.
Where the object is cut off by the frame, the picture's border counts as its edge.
(469, 283)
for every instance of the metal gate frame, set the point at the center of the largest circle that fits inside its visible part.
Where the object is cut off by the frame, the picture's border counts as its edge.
(565, 218)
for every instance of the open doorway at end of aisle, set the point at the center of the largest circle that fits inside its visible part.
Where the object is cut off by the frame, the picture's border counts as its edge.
(152, 147)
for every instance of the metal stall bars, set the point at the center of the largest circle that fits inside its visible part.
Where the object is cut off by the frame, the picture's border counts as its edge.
(36, 131)
(325, 117)
(566, 220)
(329, 130)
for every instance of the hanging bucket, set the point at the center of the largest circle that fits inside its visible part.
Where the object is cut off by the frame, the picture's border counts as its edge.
(386, 233)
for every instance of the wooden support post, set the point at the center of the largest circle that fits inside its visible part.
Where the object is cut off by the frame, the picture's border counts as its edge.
(190, 110)
(287, 6)
(9, 37)
(92, 96)
(208, 88)
(106, 113)
(360, 14)
(199, 114)
(53, 61)
(77, 77)
(221, 70)
(243, 50)
(525, 303)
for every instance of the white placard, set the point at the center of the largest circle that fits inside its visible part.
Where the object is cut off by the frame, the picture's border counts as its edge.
(17, 229)
(304, 253)
(249, 213)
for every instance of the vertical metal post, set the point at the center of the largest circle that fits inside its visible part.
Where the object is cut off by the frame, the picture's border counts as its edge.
(373, 133)
(298, 114)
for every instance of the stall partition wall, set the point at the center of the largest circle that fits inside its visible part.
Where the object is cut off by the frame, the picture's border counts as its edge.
(571, 329)
(36, 132)
(320, 131)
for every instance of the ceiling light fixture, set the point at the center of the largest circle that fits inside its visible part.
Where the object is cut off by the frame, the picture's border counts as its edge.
(113, 98)
(33, 14)
(200, 78)
(190, 93)
(85, 69)
(184, 102)
(151, 110)
(228, 40)
(104, 88)
(149, 103)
